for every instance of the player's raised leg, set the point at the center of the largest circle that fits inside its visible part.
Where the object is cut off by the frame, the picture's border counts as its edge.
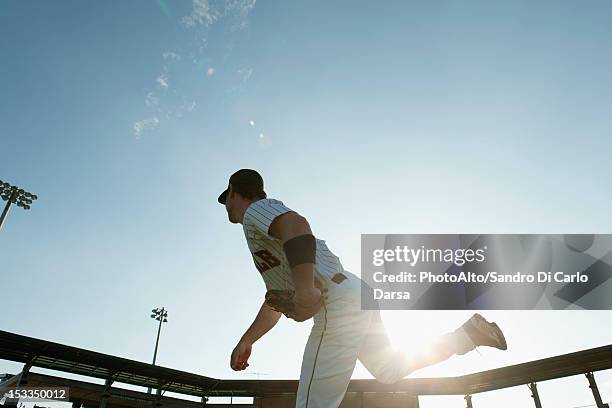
(389, 365)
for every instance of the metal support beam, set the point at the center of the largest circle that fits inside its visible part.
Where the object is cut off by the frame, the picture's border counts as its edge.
(17, 380)
(106, 393)
(10, 381)
(595, 390)
(533, 387)
(24, 373)
(158, 395)
(468, 401)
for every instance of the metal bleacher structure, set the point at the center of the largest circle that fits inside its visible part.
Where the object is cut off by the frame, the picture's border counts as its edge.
(265, 393)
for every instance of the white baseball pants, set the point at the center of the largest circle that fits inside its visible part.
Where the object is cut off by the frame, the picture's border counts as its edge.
(341, 334)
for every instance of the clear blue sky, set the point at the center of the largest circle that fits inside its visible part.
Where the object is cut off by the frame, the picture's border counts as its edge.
(126, 118)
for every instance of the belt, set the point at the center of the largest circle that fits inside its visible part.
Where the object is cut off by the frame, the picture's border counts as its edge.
(338, 278)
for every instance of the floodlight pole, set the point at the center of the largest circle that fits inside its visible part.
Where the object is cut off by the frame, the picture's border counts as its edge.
(13, 194)
(8, 205)
(158, 332)
(158, 314)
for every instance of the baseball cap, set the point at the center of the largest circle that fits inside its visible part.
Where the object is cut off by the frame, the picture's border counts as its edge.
(244, 180)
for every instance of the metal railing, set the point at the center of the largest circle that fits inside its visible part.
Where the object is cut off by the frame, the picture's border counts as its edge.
(39, 353)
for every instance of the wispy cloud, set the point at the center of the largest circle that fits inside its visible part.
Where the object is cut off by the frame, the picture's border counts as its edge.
(205, 13)
(170, 55)
(201, 14)
(243, 7)
(151, 100)
(145, 124)
(166, 99)
(162, 81)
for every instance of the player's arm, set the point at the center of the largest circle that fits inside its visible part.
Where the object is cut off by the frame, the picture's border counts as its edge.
(265, 320)
(300, 247)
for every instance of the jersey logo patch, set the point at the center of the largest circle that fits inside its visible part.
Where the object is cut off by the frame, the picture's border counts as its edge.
(264, 260)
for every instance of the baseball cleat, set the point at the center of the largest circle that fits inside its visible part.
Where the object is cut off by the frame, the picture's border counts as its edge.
(481, 333)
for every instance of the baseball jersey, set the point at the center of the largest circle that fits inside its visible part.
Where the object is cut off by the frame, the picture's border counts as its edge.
(268, 253)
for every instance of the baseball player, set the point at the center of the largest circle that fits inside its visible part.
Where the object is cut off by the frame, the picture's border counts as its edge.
(305, 280)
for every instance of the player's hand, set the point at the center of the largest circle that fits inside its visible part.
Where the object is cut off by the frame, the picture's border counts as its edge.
(307, 304)
(240, 356)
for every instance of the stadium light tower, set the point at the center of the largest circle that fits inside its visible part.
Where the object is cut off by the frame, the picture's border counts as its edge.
(14, 195)
(161, 316)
